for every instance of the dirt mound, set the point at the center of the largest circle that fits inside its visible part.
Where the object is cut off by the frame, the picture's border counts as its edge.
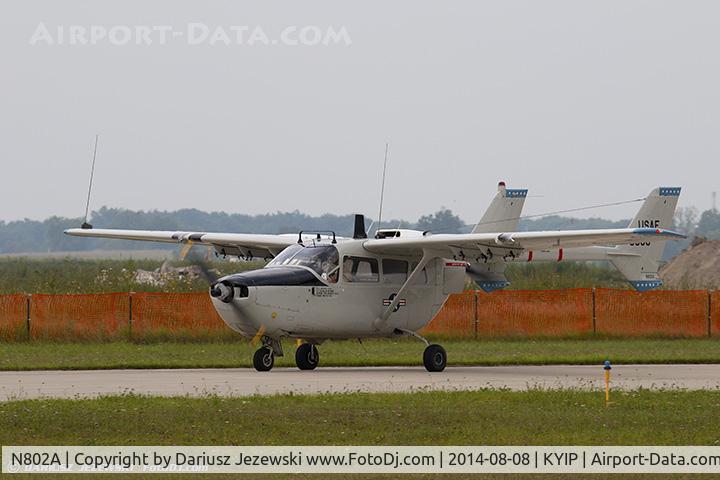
(697, 267)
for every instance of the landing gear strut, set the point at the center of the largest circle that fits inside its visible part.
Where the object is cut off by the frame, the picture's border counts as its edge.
(264, 359)
(434, 356)
(307, 356)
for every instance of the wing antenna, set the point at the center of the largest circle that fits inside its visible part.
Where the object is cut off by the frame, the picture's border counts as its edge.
(85, 224)
(382, 187)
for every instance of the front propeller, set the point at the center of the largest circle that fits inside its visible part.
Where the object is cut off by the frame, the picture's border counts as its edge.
(223, 291)
(226, 292)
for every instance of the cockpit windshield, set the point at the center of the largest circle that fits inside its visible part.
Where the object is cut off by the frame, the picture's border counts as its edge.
(322, 259)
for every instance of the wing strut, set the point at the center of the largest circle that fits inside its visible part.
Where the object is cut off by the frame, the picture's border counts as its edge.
(380, 321)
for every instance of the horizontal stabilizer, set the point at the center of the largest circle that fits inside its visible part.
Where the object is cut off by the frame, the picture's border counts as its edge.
(488, 276)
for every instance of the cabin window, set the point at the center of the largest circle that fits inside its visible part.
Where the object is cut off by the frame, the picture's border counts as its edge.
(360, 269)
(394, 271)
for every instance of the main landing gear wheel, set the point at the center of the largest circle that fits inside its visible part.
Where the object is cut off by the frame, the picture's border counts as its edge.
(434, 358)
(264, 359)
(307, 356)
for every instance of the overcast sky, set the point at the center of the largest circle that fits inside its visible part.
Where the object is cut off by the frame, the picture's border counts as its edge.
(582, 102)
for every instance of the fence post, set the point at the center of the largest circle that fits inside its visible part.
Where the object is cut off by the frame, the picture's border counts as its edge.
(130, 314)
(594, 315)
(27, 315)
(475, 314)
(709, 313)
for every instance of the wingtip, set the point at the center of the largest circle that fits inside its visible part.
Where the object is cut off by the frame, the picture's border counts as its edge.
(659, 231)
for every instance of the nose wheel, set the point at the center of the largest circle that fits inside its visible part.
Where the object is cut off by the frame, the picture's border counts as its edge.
(307, 356)
(264, 359)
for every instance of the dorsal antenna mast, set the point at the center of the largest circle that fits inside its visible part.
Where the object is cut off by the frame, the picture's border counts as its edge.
(382, 187)
(85, 224)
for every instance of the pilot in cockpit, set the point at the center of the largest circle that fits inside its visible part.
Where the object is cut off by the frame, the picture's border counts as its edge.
(329, 264)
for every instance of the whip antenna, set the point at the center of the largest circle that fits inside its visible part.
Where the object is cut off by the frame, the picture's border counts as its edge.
(85, 224)
(382, 187)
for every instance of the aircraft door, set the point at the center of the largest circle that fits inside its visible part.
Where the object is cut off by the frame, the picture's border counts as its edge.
(453, 277)
(435, 281)
(394, 274)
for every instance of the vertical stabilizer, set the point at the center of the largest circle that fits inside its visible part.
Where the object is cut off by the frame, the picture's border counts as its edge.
(639, 262)
(503, 213)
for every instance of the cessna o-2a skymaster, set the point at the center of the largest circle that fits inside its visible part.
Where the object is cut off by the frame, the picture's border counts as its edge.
(319, 286)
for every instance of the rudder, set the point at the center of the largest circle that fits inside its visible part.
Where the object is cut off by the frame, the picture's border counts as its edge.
(503, 213)
(639, 262)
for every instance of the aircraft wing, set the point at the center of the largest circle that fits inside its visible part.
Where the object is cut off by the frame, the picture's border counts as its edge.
(247, 245)
(448, 243)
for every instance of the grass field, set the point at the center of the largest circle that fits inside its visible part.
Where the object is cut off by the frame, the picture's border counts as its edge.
(486, 417)
(49, 355)
(489, 417)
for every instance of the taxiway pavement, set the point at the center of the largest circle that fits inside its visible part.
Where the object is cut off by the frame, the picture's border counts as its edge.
(244, 381)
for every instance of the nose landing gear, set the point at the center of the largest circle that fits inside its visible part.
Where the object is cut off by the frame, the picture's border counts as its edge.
(264, 357)
(307, 356)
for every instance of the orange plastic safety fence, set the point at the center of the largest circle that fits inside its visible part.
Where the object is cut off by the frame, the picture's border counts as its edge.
(534, 313)
(681, 313)
(715, 313)
(172, 313)
(469, 314)
(455, 318)
(13, 317)
(92, 316)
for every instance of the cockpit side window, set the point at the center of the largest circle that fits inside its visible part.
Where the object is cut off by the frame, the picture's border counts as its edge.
(394, 271)
(330, 265)
(360, 269)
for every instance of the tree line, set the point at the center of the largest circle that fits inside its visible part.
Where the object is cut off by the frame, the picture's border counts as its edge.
(26, 236)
